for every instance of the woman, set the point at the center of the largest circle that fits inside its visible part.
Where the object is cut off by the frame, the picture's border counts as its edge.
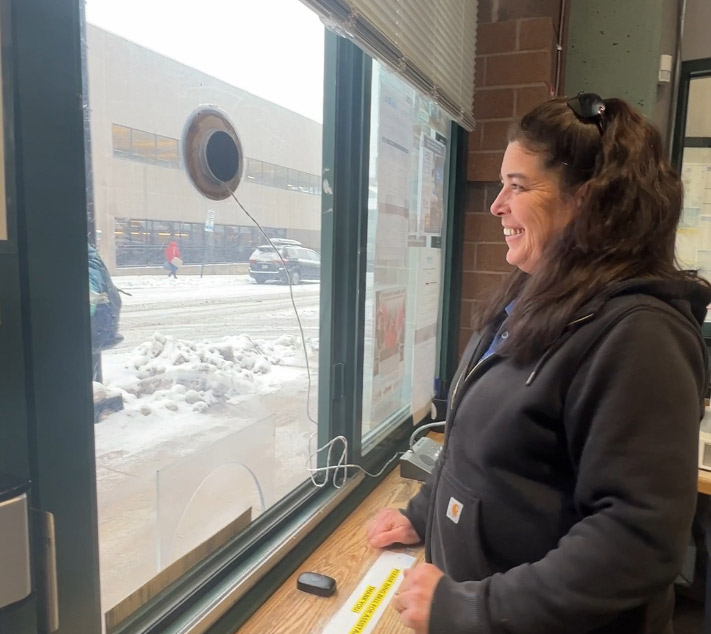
(172, 254)
(563, 499)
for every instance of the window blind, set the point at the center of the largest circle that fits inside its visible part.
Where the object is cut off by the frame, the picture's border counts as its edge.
(430, 43)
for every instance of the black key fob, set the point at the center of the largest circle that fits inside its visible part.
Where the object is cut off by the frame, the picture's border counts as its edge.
(316, 583)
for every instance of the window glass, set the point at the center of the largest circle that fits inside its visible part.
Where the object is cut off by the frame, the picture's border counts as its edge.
(292, 180)
(167, 150)
(305, 182)
(143, 144)
(200, 380)
(269, 174)
(121, 136)
(254, 171)
(280, 176)
(693, 244)
(406, 203)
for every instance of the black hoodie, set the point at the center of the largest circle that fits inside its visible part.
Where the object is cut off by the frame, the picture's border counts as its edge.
(563, 499)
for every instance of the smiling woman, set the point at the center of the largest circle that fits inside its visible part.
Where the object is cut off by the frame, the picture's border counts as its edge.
(531, 205)
(537, 515)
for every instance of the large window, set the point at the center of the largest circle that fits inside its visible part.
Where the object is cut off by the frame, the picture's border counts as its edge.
(694, 234)
(142, 243)
(202, 392)
(144, 147)
(406, 208)
(212, 398)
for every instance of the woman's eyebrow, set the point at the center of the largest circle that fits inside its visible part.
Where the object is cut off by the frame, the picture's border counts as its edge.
(514, 175)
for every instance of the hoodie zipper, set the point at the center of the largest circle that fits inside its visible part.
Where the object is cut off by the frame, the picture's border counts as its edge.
(465, 376)
(536, 369)
(554, 347)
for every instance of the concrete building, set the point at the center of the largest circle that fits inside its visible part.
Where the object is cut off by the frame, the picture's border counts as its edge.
(142, 196)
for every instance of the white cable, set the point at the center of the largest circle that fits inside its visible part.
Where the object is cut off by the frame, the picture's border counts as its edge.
(419, 430)
(340, 464)
(293, 303)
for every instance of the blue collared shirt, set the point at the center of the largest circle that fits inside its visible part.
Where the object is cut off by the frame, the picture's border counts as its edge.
(500, 336)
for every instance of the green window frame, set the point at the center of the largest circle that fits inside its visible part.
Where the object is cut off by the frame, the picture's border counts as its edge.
(64, 439)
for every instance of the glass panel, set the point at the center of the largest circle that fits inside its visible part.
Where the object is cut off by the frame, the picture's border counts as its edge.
(406, 203)
(280, 177)
(292, 180)
(693, 243)
(143, 145)
(304, 182)
(121, 136)
(203, 353)
(254, 171)
(167, 150)
(269, 174)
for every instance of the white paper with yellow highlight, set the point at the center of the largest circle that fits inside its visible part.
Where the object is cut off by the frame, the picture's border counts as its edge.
(362, 610)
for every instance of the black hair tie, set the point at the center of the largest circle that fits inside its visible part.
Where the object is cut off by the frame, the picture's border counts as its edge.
(589, 107)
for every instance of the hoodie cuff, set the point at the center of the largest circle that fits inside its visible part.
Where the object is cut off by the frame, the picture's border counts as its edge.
(457, 608)
(414, 518)
(416, 510)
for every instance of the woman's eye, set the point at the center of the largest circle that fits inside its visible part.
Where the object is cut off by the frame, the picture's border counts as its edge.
(516, 187)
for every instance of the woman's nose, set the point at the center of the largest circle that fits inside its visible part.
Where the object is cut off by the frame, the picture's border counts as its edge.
(499, 206)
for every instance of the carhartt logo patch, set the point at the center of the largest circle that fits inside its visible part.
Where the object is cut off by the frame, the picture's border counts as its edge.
(454, 510)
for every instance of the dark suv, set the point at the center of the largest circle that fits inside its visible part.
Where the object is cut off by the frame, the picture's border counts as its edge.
(301, 263)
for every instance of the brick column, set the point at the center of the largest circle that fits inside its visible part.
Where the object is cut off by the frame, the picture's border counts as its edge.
(515, 69)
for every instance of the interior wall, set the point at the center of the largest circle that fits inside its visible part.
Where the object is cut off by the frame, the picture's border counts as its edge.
(614, 49)
(515, 69)
(665, 102)
(696, 43)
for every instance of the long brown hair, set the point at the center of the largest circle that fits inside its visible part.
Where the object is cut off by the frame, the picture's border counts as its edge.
(625, 227)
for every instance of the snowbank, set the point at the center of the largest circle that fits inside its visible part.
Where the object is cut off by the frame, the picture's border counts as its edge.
(166, 373)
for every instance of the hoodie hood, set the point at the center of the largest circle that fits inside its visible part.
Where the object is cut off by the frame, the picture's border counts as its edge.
(689, 297)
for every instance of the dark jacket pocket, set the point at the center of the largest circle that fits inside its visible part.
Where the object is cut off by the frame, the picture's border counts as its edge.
(455, 535)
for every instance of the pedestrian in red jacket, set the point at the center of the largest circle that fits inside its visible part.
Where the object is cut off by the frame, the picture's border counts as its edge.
(172, 258)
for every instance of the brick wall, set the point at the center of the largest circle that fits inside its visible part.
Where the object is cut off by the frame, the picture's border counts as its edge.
(515, 69)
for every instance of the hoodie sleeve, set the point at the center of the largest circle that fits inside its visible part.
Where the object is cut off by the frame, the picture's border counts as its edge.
(632, 419)
(416, 510)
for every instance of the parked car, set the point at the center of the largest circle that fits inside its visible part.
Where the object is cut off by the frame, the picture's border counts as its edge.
(301, 263)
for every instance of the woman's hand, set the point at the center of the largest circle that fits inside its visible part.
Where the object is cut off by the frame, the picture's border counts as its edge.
(391, 527)
(413, 599)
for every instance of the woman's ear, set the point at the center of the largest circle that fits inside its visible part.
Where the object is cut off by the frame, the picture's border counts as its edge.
(580, 194)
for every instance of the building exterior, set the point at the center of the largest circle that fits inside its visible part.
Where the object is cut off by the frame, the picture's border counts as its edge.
(141, 196)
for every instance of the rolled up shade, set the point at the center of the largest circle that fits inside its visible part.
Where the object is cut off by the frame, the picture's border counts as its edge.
(430, 43)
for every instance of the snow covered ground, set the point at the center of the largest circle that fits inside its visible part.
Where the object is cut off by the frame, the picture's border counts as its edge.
(206, 363)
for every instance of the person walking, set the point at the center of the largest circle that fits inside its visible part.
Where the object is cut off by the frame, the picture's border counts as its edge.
(172, 258)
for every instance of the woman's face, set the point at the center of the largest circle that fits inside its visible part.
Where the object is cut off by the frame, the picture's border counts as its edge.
(531, 206)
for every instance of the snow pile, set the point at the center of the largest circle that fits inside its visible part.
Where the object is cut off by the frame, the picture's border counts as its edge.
(167, 373)
(102, 392)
